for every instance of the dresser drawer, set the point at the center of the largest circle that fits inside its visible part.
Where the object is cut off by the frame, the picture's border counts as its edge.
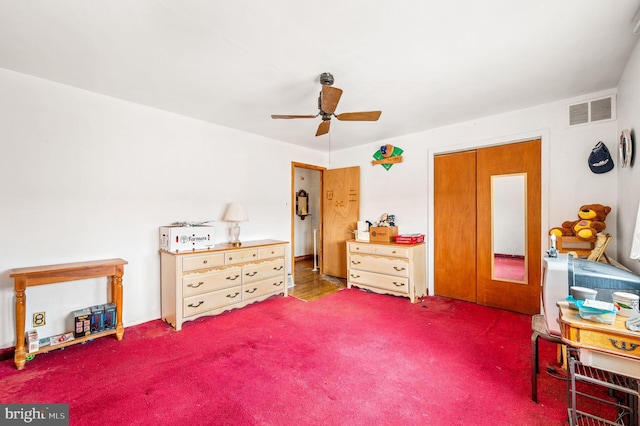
(260, 271)
(192, 263)
(240, 256)
(203, 283)
(379, 249)
(384, 265)
(386, 282)
(260, 288)
(216, 299)
(621, 344)
(269, 252)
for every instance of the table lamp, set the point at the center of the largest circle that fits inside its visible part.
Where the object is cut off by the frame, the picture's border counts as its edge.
(236, 213)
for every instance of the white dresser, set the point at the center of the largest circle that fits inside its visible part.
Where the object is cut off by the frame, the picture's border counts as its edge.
(387, 268)
(208, 282)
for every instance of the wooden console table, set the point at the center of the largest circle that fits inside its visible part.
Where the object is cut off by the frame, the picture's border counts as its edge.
(51, 274)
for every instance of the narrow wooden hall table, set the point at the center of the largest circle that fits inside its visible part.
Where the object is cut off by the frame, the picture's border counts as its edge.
(51, 274)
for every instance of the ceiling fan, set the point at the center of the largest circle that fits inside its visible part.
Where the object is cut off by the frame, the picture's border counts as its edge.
(327, 102)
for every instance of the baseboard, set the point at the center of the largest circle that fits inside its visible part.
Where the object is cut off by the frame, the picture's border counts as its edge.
(303, 257)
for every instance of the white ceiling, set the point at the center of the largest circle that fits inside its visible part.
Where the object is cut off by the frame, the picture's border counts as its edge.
(424, 63)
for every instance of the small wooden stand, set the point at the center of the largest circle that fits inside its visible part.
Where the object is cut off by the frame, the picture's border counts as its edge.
(51, 274)
(582, 247)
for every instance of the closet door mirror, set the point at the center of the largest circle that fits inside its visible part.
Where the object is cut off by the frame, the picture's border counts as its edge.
(508, 228)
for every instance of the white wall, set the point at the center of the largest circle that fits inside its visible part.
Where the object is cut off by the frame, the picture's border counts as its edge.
(629, 177)
(407, 188)
(86, 177)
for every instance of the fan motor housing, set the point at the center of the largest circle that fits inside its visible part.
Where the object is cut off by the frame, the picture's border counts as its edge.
(326, 79)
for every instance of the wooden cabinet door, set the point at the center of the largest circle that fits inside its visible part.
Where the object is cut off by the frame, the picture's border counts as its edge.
(340, 213)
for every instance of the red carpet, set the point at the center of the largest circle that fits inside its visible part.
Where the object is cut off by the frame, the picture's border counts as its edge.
(351, 358)
(509, 267)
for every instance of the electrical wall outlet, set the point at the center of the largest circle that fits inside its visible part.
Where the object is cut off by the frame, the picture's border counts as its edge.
(39, 319)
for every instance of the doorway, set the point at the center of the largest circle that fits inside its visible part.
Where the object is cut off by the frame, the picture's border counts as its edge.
(306, 225)
(472, 192)
(325, 209)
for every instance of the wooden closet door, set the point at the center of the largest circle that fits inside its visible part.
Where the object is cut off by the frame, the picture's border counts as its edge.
(516, 158)
(455, 225)
(340, 213)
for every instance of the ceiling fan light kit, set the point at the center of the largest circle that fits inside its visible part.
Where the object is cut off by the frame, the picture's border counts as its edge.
(327, 103)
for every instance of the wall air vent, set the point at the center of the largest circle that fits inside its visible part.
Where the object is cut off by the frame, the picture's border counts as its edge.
(592, 111)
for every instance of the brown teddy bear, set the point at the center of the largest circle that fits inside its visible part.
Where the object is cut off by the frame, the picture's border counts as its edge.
(591, 222)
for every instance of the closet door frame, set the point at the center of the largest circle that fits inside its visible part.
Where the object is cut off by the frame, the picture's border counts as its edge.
(452, 146)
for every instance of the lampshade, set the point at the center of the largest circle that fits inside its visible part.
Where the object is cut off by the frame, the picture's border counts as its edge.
(236, 213)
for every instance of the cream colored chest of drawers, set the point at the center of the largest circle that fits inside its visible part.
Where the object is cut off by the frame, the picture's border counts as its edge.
(208, 282)
(398, 269)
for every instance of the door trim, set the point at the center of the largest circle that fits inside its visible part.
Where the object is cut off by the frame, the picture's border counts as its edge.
(543, 135)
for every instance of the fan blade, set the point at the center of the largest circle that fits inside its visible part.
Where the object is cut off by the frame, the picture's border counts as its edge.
(323, 128)
(293, 116)
(359, 116)
(330, 99)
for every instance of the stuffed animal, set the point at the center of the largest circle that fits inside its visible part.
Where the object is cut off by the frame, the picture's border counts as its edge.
(591, 221)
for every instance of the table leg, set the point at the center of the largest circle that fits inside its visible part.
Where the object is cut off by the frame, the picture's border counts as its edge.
(20, 356)
(116, 291)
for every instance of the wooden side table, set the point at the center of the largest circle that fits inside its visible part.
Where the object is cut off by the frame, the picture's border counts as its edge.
(51, 274)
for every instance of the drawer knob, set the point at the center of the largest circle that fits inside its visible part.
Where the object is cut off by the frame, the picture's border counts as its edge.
(205, 261)
(253, 290)
(191, 305)
(233, 278)
(624, 346)
(251, 274)
(196, 285)
(398, 284)
(231, 296)
(398, 269)
(279, 268)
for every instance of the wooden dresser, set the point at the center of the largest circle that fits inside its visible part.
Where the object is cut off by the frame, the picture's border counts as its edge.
(387, 268)
(208, 282)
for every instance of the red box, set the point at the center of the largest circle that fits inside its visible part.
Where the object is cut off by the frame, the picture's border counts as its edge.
(410, 239)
